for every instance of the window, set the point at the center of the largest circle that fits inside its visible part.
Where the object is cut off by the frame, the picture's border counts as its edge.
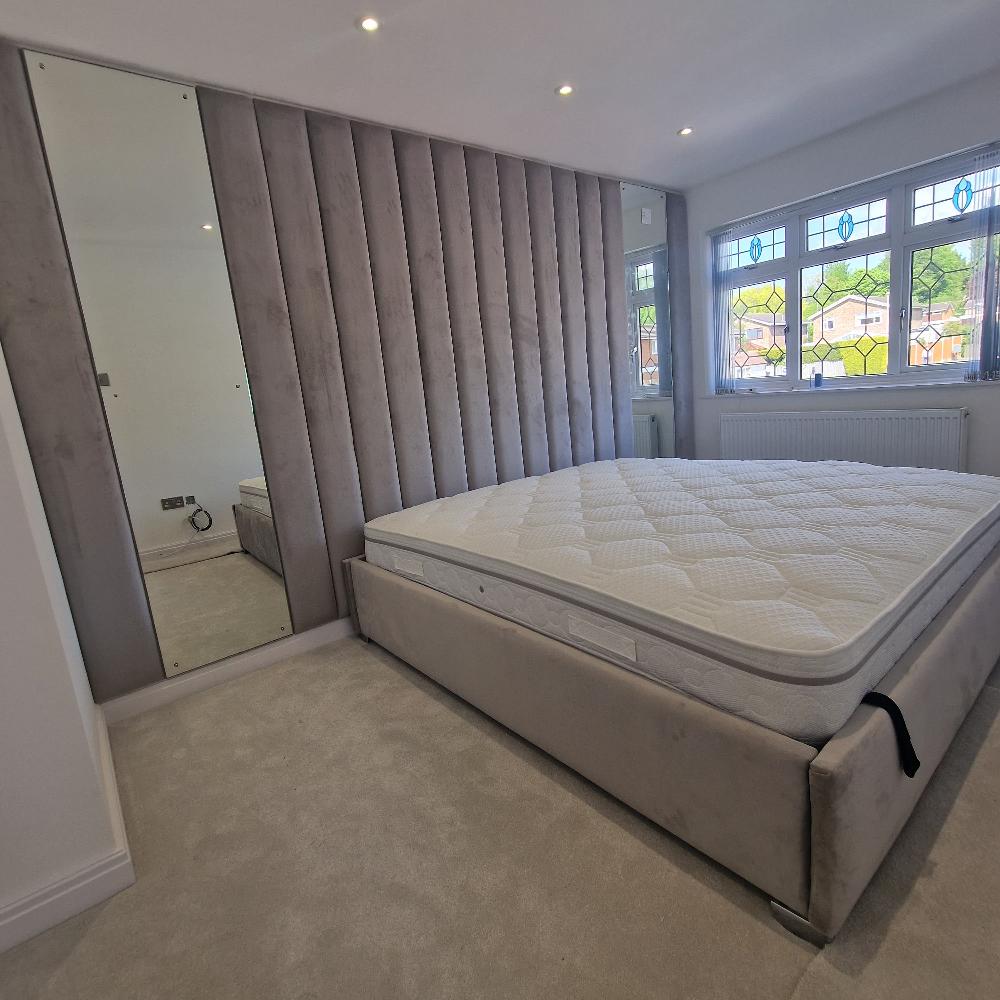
(648, 326)
(878, 280)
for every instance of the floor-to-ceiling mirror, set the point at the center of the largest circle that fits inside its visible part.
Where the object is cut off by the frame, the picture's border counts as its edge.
(644, 225)
(130, 173)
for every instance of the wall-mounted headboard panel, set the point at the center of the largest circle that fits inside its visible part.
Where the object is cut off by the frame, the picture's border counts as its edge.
(457, 315)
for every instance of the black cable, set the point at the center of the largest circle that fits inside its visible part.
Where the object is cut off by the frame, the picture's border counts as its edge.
(193, 519)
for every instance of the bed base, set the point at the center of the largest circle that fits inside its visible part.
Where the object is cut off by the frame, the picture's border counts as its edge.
(809, 827)
(257, 536)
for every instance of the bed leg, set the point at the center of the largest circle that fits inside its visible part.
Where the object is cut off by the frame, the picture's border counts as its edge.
(799, 926)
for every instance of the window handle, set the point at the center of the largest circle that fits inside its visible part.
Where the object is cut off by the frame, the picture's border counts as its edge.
(902, 321)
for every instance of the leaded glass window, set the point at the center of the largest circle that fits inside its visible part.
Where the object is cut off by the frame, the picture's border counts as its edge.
(757, 329)
(846, 225)
(941, 312)
(955, 196)
(755, 248)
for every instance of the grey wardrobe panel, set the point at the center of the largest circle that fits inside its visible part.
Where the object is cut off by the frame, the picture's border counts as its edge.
(285, 145)
(430, 306)
(614, 290)
(545, 266)
(681, 333)
(383, 214)
(523, 314)
(574, 321)
(588, 194)
(463, 307)
(339, 195)
(241, 193)
(491, 278)
(48, 355)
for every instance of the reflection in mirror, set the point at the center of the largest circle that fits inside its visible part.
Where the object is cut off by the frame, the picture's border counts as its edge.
(132, 183)
(644, 225)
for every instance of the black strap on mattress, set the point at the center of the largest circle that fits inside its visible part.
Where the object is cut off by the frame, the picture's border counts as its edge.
(907, 757)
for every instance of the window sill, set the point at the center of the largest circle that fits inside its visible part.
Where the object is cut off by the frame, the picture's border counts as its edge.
(830, 387)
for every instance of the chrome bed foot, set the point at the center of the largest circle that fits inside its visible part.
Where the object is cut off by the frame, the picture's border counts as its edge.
(799, 926)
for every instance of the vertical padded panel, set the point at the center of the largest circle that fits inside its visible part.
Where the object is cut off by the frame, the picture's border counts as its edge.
(614, 292)
(383, 214)
(588, 194)
(285, 144)
(463, 307)
(545, 265)
(45, 345)
(574, 322)
(523, 314)
(237, 166)
(491, 278)
(681, 333)
(339, 194)
(430, 307)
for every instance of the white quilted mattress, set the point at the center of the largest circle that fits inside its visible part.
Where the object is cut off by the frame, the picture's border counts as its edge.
(777, 591)
(253, 494)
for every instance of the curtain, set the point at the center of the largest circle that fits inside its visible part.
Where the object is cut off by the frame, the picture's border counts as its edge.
(984, 288)
(722, 286)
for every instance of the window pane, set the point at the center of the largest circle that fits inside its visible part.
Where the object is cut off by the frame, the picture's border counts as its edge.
(846, 225)
(643, 276)
(941, 314)
(648, 360)
(954, 197)
(757, 329)
(845, 317)
(757, 248)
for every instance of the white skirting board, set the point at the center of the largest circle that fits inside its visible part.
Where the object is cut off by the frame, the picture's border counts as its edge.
(194, 550)
(74, 893)
(228, 669)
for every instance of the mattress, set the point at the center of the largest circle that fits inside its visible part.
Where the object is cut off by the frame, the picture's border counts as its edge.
(777, 591)
(253, 494)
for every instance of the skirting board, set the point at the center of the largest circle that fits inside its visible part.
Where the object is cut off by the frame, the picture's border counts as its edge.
(188, 552)
(203, 678)
(68, 896)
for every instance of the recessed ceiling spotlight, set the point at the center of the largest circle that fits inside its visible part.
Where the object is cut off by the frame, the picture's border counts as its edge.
(565, 90)
(368, 23)
(208, 227)
(687, 130)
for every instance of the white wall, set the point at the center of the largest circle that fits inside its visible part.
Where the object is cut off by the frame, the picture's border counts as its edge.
(132, 181)
(958, 118)
(57, 809)
(639, 235)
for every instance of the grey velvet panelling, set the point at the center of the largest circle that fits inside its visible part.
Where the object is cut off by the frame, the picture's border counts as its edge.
(46, 349)
(242, 196)
(681, 334)
(457, 316)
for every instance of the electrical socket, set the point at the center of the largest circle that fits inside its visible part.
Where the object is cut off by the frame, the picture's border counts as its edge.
(172, 503)
(190, 501)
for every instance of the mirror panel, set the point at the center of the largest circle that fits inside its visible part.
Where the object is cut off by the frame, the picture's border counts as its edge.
(644, 226)
(131, 179)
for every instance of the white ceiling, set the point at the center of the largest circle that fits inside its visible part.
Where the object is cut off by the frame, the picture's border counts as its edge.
(753, 78)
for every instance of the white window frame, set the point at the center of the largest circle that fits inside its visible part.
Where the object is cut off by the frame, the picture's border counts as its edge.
(901, 239)
(658, 296)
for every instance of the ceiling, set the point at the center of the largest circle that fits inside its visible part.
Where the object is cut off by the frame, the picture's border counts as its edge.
(752, 79)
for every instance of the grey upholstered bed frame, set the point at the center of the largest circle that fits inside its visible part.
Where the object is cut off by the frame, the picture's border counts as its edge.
(257, 536)
(809, 827)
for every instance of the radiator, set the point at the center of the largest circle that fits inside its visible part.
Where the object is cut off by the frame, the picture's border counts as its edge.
(645, 436)
(929, 439)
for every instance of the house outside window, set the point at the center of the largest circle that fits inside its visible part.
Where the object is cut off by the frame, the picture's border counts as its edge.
(878, 281)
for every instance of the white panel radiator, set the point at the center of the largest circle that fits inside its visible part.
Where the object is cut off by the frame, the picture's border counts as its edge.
(929, 439)
(645, 435)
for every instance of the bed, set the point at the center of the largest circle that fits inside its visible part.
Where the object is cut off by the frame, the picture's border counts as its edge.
(697, 638)
(255, 523)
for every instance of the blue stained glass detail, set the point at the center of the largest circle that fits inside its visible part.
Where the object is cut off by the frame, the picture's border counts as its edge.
(756, 249)
(962, 198)
(845, 227)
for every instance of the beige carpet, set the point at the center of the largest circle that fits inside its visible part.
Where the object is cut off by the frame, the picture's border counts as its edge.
(339, 827)
(207, 610)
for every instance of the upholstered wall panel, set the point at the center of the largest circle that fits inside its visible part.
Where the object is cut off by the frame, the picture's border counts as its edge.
(681, 334)
(241, 192)
(47, 352)
(457, 317)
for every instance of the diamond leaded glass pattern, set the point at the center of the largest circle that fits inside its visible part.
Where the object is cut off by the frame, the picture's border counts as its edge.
(941, 317)
(845, 317)
(757, 329)
(846, 225)
(649, 362)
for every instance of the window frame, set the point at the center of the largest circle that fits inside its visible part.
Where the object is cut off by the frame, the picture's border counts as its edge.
(658, 296)
(901, 240)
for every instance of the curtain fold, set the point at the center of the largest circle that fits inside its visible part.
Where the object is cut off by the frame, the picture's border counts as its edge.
(722, 286)
(984, 287)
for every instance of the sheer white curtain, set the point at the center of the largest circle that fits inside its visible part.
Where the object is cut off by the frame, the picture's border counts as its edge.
(984, 288)
(722, 287)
